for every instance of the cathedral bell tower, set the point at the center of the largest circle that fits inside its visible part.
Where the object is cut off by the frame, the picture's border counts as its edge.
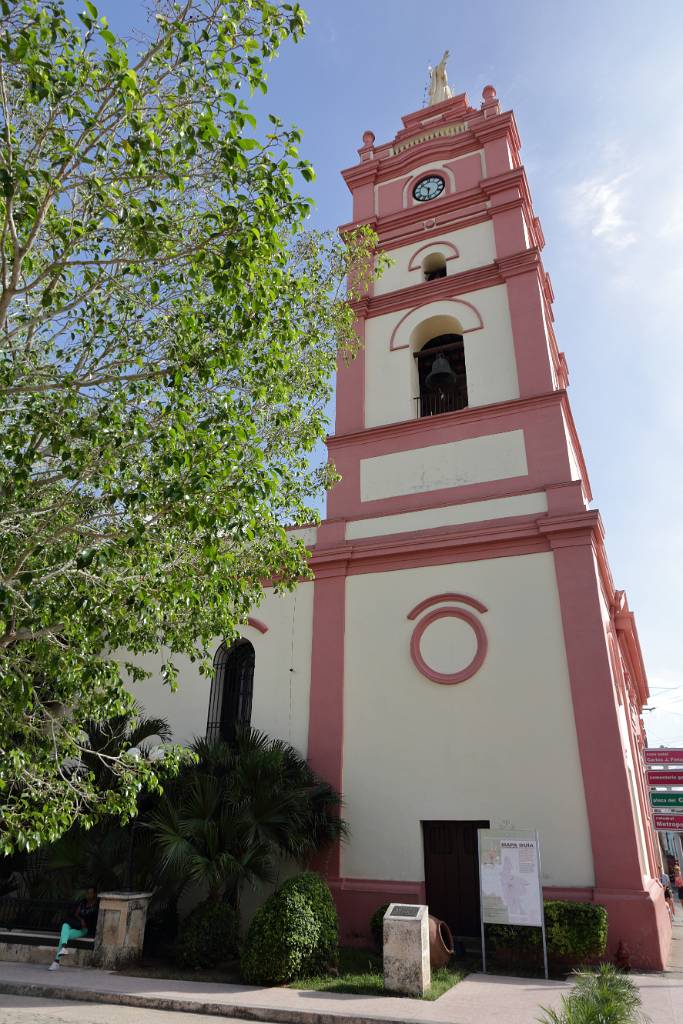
(471, 660)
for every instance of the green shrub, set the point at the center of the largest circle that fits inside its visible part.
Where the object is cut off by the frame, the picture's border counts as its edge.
(317, 892)
(575, 931)
(295, 933)
(377, 926)
(605, 996)
(207, 936)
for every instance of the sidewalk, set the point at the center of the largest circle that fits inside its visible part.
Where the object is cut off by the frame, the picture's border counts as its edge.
(479, 999)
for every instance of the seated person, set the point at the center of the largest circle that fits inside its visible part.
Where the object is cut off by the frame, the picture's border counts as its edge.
(82, 923)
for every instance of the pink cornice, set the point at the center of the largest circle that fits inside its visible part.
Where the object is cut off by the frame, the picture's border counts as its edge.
(445, 545)
(448, 287)
(512, 181)
(629, 642)
(415, 263)
(480, 131)
(257, 624)
(416, 309)
(418, 429)
(476, 279)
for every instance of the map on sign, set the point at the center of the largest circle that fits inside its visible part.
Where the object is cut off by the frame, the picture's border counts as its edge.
(509, 873)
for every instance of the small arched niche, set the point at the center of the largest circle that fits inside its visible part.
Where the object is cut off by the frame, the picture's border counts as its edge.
(434, 266)
(441, 370)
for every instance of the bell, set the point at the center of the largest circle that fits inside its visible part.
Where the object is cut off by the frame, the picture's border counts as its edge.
(441, 377)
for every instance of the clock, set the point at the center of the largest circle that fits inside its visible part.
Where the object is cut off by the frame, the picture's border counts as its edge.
(429, 188)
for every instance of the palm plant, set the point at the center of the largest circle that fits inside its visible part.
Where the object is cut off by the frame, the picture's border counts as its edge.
(117, 735)
(232, 817)
(605, 996)
(100, 854)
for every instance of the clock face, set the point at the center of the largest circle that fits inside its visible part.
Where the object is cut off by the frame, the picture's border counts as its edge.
(429, 188)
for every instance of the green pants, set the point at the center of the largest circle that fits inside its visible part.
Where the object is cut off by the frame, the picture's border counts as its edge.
(67, 933)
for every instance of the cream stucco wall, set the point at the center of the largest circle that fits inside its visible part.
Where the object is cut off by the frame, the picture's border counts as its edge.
(473, 461)
(282, 675)
(391, 377)
(500, 746)
(476, 247)
(448, 515)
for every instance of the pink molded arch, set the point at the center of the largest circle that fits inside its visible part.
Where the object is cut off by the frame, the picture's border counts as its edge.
(257, 624)
(442, 598)
(442, 172)
(464, 312)
(440, 245)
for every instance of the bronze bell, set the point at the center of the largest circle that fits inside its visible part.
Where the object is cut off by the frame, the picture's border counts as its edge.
(441, 377)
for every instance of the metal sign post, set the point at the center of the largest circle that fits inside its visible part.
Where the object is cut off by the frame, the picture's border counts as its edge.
(481, 906)
(540, 892)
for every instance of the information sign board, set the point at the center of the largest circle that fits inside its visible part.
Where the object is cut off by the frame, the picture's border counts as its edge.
(664, 755)
(656, 777)
(510, 888)
(669, 822)
(666, 800)
(510, 878)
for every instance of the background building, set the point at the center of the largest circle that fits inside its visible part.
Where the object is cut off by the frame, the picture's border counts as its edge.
(463, 657)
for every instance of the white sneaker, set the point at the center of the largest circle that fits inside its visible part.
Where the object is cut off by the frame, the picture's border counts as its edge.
(66, 952)
(54, 966)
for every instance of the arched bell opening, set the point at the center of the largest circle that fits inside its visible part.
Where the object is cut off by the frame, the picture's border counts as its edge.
(232, 690)
(442, 375)
(434, 266)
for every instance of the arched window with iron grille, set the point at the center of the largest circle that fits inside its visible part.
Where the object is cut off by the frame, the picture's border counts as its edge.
(232, 688)
(442, 375)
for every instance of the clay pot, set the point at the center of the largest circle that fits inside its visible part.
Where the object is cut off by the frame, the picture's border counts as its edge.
(440, 943)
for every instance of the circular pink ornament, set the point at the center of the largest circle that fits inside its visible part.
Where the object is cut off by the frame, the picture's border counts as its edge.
(449, 678)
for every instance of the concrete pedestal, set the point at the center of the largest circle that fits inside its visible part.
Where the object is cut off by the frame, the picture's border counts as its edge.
(406, 949)
(120, 928)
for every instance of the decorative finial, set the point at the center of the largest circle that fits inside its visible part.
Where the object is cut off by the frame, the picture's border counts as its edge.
(489, 93)
(368, 138)
(439, 89)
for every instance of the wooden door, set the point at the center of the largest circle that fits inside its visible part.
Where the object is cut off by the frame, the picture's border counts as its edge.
(452, 873)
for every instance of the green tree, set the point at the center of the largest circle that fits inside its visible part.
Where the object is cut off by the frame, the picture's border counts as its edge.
(233, 817)
(167, 339)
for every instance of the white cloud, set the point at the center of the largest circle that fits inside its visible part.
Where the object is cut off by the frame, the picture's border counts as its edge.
(598, 204)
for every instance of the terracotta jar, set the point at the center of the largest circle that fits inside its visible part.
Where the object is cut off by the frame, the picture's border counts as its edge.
(440, 943)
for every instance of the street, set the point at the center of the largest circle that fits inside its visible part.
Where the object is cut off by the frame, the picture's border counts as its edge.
(24, 1010)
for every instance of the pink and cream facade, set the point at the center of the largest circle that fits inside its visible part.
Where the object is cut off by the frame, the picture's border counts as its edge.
(463, 657)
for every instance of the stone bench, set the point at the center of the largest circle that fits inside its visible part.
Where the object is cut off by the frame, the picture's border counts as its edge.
(20, 945)
(118, 939)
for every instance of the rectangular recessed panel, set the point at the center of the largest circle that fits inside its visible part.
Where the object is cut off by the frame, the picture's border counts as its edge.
(404, 911)
(448, 515)
(456, 464)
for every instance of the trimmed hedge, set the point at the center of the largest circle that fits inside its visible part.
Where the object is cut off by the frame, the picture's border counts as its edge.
(294, 933)
(574, 931)
(377, 926)
(207, 936)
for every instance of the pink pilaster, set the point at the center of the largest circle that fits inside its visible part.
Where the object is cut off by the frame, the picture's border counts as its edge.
(531, 346)
(326, 701)
(635, 907)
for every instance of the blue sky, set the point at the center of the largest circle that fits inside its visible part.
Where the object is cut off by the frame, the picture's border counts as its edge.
(595, 87)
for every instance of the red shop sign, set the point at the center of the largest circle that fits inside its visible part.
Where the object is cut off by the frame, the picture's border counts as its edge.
(664, 755)
(669, 822)
(659, 778)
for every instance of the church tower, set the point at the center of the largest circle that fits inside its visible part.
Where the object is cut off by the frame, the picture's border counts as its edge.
(461, 658)
(472, 662)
